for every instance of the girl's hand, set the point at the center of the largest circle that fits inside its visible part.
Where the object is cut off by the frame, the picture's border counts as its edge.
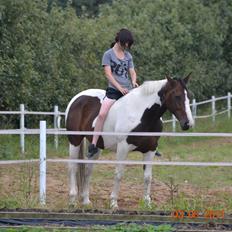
(135, 84)
(124, 91)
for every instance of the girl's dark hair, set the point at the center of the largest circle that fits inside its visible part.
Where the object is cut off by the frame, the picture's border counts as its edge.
(124, 36)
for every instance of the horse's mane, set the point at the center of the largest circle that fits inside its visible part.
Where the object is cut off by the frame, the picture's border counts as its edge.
(151, 87)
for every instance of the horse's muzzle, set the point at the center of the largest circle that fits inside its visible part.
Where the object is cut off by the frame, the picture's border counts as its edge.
(184, 124)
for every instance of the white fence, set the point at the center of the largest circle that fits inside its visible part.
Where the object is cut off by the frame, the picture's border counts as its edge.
(57, 116)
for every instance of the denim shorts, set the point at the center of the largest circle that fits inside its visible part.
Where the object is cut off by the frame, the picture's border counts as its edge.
(113, 93)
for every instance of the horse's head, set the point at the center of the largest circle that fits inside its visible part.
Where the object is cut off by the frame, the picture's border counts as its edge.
(174, 96)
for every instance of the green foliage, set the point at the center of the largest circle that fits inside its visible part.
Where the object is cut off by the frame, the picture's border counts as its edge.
(118, 228)
(138, 228)
(88, 8)
(48, 53)
(176, 37)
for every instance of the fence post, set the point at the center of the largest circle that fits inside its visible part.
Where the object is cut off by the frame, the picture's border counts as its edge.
(22, 127)
(194, 110)
(56, 126)
(42, 195)
(229, 104)
(213, 108)
(173, 123)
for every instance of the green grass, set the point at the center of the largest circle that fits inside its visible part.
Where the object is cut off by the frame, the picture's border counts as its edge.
(117, 228)
(10, 147)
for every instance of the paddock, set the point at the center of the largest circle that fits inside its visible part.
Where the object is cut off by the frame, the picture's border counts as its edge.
(49, 168)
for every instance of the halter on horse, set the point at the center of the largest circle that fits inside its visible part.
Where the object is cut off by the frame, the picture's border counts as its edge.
(138, 111)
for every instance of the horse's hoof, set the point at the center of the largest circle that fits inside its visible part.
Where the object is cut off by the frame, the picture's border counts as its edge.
(147, 201)
(114, 205)
(87, 202)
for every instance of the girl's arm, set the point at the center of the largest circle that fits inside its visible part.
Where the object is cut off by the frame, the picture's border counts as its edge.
(110, 77)
(133, 76)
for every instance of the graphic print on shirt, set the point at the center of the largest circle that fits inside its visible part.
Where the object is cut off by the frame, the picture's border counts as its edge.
(120, 69)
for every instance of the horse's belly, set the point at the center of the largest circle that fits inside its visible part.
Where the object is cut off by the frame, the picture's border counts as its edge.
(110, 142)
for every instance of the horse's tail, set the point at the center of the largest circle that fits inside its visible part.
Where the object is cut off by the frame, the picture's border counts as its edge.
(81, 168)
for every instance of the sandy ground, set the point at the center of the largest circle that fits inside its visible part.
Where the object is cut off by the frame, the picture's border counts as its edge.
(20, 183)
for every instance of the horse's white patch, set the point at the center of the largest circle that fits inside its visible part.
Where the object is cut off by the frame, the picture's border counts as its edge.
(100, 93)
(150, 87)
(188, 110)
(126, 113)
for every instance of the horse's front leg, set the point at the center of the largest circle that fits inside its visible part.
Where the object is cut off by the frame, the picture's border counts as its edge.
(122, 151)
(148, 177)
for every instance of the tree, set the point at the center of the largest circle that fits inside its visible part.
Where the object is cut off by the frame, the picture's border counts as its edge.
(88, 8)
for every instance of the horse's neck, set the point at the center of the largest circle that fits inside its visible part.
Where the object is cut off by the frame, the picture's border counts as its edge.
(152, 87)
(142, 97)
(148, 100)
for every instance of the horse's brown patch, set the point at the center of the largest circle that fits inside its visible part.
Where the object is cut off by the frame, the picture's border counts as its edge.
(81, 115)
(150, 122)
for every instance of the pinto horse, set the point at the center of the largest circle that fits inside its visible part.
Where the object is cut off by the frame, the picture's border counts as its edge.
(138, 111)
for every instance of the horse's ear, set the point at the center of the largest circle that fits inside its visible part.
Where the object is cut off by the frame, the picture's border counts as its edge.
(170, 80)
(186, 79)
(168, 77)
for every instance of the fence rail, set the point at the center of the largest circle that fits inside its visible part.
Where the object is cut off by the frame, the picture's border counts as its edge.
(65, 132)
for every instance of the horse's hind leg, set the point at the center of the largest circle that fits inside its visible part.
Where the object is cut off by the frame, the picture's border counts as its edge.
(88, 172)
(73, 154)
(148, 177)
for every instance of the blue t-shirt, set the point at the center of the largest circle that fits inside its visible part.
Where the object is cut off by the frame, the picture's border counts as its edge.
(119, 68)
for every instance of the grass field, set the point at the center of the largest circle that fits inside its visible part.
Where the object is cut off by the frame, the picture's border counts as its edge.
(185, 188)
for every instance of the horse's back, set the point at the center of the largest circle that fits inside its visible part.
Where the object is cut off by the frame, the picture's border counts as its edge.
(81, 112)
(99, 93)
